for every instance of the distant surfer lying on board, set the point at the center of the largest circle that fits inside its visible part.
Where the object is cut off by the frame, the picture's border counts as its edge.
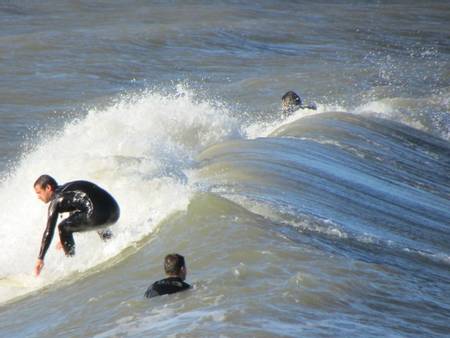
(90, 208)
(291, 102)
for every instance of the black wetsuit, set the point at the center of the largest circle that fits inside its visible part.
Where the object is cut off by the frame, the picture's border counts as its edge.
(166, 286)
(90, 208)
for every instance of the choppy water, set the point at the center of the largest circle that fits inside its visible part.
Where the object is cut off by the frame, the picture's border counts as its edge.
(328, 222)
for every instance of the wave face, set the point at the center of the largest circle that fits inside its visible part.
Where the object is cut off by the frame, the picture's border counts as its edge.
(335, 219)
(370, 195)
(364, 179)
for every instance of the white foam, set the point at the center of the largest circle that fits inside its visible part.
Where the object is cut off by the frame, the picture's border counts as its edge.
(264, 129)
(137, 149)
(428, 114)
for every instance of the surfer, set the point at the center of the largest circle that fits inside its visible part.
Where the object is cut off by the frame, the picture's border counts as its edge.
(90, 208)
(290, 102)
(175, 269)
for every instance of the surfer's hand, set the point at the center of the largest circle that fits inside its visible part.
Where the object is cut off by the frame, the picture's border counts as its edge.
(38, 267)
(58, 245)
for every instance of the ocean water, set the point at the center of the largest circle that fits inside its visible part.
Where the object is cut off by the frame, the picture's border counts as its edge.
(332, 222)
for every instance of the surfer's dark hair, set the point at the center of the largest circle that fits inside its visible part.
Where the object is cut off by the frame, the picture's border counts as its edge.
(46, 180)
(173, 264)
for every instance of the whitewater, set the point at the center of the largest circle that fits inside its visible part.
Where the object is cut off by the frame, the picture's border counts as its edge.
(327, 222)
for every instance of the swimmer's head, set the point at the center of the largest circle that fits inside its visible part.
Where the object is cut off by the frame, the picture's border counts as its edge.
(290, 102)
(174, 265)
(45, 187)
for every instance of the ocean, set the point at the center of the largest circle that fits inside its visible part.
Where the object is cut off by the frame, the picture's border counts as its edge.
(327, 222)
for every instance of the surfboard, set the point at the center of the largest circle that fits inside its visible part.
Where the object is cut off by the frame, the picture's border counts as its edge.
(16, 281)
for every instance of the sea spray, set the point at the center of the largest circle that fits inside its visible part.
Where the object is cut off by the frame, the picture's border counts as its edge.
(138, 149)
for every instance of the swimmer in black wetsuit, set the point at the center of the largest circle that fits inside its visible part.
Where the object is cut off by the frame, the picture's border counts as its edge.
(176, 274)
(90, 208)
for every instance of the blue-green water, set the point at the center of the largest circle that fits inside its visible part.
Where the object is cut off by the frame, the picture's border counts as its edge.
(317, 224)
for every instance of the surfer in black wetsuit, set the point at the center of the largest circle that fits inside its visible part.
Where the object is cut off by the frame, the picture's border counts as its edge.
(290, 102)
(90, 208)
(175, 268)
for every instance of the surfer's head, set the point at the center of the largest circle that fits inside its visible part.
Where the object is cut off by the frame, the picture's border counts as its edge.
(175, 266)
(45, 187)
(290, 102)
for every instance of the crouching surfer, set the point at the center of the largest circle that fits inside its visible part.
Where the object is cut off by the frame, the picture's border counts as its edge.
(89, 207)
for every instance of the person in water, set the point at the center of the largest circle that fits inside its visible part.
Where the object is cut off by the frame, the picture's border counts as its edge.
(175, 269)
(90, 208)
(291, 102)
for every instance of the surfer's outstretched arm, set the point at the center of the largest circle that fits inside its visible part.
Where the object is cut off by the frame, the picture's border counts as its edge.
(38, 267)
(47, 236)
